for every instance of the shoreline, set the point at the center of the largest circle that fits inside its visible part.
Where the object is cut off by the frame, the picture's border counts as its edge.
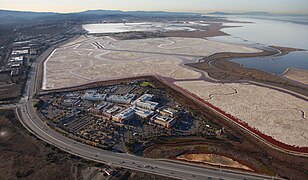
(212, 30)
(285, 72)
(218, 67)
(296, 75)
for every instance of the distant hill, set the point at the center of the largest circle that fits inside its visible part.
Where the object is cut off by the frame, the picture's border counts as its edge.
(254, 14)
(9, 17)
(13, 17)
(246, 13)
(26, 14)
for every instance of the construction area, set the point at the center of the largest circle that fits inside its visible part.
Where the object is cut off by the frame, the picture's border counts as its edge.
(104, 58)
(274, 113)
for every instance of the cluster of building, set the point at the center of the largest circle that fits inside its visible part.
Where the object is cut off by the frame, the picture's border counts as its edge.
(26, 48)
(108, 116)
(17, 60)
(166, 117)
(20, 54)
(103, 115)
(123, 108)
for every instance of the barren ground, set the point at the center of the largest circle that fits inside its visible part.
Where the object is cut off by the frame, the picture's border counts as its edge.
(104, 58)
(213, 159)
(90, 59)
(299, 75)
(274, 113)
(8, 89)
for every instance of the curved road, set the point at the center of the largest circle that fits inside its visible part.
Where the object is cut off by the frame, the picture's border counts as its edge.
(35, 125)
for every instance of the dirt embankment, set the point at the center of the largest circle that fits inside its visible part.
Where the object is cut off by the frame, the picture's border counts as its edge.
(218, 67)
(245, 152)
(213, 159)
(298, 75)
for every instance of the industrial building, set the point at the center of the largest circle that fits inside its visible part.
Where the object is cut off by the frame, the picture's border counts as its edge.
(103, 105)
(70, 102)
(124, 115)
(93, 96)
(15, 72)
(143, 113)
(167, 112)
(112, 110)
(17, 59)
(166, 117)
(18, 52)
(144, 102)
(126, 99)
(143, 98)
(166, 121)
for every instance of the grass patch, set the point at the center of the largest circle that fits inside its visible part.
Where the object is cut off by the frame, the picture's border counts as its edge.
(201, 148)
(265, 169)
(146, 84)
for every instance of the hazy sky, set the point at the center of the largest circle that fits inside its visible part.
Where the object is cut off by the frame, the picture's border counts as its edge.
(276, 6)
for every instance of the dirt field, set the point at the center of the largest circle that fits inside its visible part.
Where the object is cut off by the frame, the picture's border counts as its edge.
(213, 159)
(273, 113)
(104, 58)
(299, 75)
(245, 153)
(93, 59)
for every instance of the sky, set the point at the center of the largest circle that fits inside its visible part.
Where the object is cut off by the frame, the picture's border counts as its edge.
(202, 6)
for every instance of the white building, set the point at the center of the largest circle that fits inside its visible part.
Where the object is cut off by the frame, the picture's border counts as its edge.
(126, 99)
(17, 52)
(17, 59)
(166, 121)
(143, 113)
(125, 115)
(144, 102)
(167, 112)
(93, 96)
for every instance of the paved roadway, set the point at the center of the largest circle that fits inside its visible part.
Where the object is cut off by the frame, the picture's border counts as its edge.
(34, 124)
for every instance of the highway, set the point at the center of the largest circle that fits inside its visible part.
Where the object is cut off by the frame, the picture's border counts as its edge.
(31, 121)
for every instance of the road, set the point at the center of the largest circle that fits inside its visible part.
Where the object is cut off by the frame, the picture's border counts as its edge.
(29, 118)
